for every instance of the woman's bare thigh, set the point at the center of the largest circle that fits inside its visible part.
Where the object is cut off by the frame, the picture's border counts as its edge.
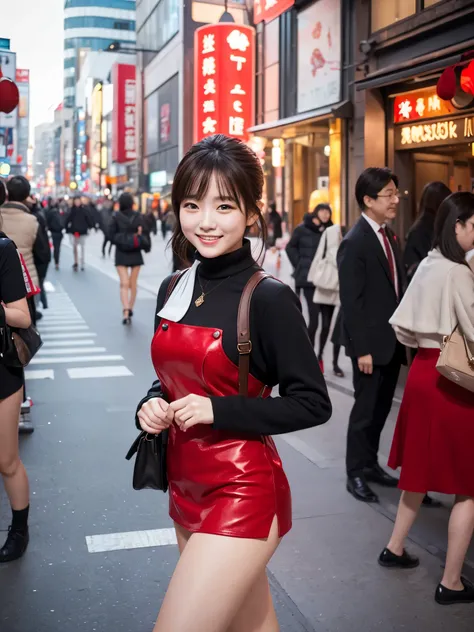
(212, 579)
(182, 535)
(9, 420)
(257, 613)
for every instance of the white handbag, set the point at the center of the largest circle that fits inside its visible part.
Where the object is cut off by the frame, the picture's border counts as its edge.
(325, 276)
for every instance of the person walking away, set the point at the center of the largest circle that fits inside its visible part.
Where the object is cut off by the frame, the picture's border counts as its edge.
(130, 238)
(420, 237)
(434, 433)
(55, 225)
(106, 214)
(150, 223)
(301, 250)
(324, 276)
(78, 224)
(14, 312)
(42, 264)
(229, 497)
(23, 229)
(274, 222)
(372, 282)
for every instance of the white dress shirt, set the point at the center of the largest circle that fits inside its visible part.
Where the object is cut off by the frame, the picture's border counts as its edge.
(376, 228)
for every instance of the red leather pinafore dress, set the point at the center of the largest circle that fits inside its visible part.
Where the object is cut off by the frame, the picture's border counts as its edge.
(219, 482)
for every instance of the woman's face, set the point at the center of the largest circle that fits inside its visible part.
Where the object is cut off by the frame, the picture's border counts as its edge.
(77, 202)
(214, 225)
(324, 215)
(465, 234)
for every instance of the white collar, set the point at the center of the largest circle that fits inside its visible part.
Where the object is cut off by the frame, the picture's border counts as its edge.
(178, 303)
(372, 223)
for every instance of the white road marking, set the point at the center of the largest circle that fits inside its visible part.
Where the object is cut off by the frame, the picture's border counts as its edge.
(42, 374)
(49, 287)
(130, 540)
(99, 371)
(67, 343)
(48, 328)
(71, 359)
(75, 320)
(70, 350)
(79, 334)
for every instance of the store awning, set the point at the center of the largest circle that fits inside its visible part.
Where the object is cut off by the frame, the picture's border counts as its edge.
(432, 62)
(296, 125)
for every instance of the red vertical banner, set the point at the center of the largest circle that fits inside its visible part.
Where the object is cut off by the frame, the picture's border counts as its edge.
(124, 115)
(224, 80)
(268, 10)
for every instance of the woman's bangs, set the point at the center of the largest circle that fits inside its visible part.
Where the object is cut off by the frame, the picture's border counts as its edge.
(198, 180)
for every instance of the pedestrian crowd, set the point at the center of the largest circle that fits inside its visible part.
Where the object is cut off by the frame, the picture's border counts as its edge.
(226, 333)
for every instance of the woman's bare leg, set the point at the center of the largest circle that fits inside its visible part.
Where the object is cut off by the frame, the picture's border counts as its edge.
(135, 271)
(212, 579)
(461, 526)
(257, 613)
(124, 286)
(408, 507)
(11, 468)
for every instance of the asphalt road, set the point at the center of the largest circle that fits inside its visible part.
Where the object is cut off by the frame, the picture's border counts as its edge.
(101, 554)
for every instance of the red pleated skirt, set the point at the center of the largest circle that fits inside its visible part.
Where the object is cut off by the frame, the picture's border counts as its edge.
(434, 436)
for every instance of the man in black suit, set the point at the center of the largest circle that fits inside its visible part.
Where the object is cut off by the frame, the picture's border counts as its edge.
(371, 285)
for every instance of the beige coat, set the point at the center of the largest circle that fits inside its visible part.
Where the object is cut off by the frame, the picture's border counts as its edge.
(21, 227)
(440, 297)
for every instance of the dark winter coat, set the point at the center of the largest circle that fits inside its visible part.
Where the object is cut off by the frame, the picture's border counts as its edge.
(418, 244)
(123, 232)
(302, 247)
(55, 219)
(79, 221)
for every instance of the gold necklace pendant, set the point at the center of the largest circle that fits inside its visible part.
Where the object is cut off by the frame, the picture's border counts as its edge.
(200, 300)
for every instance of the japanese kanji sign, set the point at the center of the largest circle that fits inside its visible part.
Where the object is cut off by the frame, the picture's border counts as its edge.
(124, 114)
(268, 10)
(421, 104)
(224, 70)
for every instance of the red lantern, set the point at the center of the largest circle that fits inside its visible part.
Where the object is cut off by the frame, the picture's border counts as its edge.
(446, 86)
(9, 94)
(467, 78)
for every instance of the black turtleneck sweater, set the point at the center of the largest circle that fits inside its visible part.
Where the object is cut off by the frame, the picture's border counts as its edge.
(281, 350)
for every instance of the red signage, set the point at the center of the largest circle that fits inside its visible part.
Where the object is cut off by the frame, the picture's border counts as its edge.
(165, 123)
(268, 10)
(224, 69)
(22, 76)
(124, 114)
(421, 104)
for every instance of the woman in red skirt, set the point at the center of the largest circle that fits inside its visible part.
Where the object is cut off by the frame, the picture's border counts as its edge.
(435, 429)
(229, 497)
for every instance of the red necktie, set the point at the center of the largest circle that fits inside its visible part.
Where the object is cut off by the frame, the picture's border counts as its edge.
(388, 251)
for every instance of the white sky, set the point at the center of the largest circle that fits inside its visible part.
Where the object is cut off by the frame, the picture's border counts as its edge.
(36, 31)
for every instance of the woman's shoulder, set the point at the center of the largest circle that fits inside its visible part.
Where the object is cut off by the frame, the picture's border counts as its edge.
(273, 294)
(7, 246)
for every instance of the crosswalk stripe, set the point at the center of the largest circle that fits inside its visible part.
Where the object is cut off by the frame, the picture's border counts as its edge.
(62, 321)
(66, 343)
(69, 350)
(99, 371)
(130, 540)
(41, 374)
(71, 359)
(79, 334)
(50, 328)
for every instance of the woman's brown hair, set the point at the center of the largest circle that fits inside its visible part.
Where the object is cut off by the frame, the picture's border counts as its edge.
(238, 174)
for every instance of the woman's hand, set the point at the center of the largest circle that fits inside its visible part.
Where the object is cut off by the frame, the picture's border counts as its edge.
(155, 415)
(192, 410)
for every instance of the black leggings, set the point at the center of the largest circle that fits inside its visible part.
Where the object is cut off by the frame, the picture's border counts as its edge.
(327, 312)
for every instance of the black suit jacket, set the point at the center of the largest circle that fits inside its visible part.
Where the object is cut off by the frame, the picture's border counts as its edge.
(368, 297)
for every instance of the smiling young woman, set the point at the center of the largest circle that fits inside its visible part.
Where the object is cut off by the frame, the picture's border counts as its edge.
(229, 496)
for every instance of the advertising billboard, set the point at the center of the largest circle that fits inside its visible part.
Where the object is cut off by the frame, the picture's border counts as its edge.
(124, 119)
(8, 66)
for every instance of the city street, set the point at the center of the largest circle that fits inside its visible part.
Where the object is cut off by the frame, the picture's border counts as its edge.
(101, 554)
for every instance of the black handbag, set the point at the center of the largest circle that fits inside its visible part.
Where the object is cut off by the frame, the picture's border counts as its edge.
(149, 471)
(17, 346)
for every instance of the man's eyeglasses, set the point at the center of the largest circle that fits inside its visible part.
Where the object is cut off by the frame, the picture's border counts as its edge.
(394, 195)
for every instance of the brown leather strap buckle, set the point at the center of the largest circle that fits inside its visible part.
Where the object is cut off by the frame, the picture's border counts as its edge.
(244, 348)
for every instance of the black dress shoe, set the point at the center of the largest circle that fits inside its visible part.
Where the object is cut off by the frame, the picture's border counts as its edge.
(376, 474)
(431, 502)
(15, 546)
(357, 486)
(446, 597)
(390, 560)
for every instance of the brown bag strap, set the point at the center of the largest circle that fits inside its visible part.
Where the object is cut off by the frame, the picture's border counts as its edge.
(244, 344)
(173, 283)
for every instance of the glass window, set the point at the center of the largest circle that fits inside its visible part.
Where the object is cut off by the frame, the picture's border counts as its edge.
(94, 43)
(70, 82)
(272, 42)
(151, 123)
(91, 21)
(386, 12)
(161, 26)
(128, 5)
(272, 93)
